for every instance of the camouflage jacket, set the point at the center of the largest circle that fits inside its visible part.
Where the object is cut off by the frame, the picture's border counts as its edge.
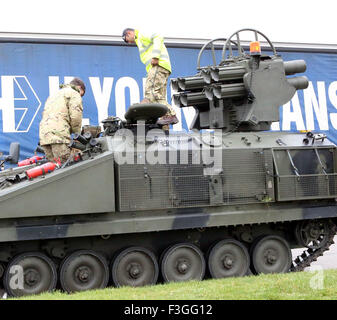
(62, 116)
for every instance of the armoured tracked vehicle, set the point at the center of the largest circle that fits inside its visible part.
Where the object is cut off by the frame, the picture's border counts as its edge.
(137, 205)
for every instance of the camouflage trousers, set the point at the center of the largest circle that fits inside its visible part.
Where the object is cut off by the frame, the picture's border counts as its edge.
(155, 87)
(57, 151)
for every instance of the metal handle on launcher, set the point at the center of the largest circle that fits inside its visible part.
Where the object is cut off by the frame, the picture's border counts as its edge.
(241, 52)
(211, 42)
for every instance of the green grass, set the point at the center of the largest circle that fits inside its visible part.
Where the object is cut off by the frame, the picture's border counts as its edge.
(318, 285)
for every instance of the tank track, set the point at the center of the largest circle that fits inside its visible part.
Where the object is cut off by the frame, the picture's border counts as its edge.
(309, 256)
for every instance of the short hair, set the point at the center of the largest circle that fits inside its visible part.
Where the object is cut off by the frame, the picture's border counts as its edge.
(125, 31)
(78, 82)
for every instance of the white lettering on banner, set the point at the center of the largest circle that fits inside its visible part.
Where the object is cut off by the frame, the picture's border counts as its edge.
(292, 116)
(19, 104)
(102, 95)
(13, 115)
(121, 84)
(319, 106)
(7, 103)
(68, 79)
(144, 86)
(333, 100)
(275, 126)
(54, 84)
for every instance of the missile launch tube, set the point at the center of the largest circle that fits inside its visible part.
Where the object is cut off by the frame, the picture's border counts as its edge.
(299, 82)
(191, 83)
(227, 73)
(80, 138)
(77, 145)
(191, 99)
(295, 66)
(229, 90)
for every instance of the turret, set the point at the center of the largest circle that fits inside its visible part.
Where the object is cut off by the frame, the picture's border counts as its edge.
(243, 92)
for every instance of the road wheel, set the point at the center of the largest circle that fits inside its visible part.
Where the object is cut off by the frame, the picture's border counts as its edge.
(135, 267)
(182, 262)
(228, 258)
(84, 270)
(271, 254)
(30, 273)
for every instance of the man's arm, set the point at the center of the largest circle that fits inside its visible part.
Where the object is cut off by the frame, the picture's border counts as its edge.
(75, 113)
(157, 44)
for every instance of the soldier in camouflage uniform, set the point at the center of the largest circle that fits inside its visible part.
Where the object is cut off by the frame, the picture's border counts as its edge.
(61, 117)
(154, 55)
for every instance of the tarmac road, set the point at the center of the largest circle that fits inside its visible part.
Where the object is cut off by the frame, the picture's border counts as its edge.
(327, 261)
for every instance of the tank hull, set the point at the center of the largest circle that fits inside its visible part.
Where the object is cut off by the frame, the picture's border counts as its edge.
(117, 223)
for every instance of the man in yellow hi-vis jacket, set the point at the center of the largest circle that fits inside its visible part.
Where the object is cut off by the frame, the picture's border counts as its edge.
(154, 55)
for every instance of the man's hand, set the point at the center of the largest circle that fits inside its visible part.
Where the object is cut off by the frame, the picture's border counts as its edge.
(154, 61)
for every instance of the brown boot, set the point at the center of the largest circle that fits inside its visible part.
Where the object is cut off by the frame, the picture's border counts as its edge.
(167, 120)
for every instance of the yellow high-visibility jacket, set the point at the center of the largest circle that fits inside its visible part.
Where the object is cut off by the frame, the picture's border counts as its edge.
(152, 47)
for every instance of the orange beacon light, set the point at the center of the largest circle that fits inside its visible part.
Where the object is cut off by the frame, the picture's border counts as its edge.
(255, 48)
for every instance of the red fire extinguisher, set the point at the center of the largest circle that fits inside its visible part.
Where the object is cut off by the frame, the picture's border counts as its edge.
(29, 161)
(41, 170)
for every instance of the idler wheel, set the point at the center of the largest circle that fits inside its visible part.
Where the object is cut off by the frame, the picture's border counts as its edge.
(135, 267)
(182, 262)
(271, 254)
(228, 258)
(313, 234)
(30, 273)
(84, 270)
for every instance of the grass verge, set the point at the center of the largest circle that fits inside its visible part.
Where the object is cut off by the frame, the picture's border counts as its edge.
(315, 285)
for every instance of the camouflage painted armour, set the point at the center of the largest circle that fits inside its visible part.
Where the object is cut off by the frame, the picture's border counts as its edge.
(155, 87)
(61, 117)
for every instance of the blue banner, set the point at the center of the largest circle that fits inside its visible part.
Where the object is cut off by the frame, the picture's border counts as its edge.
(115, 78)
